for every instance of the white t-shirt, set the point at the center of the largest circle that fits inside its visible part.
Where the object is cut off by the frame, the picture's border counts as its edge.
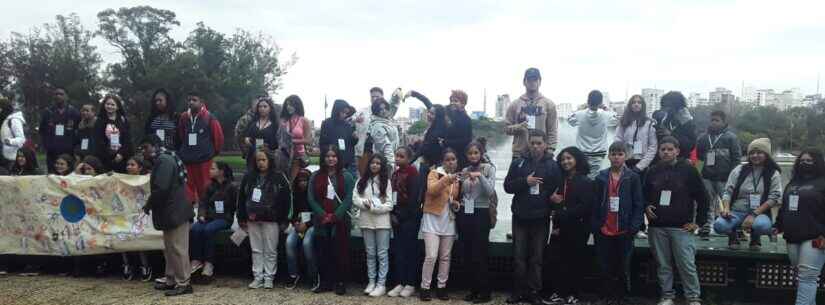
(442, 225)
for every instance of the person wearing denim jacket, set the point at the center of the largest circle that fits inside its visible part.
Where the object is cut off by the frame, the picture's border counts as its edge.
(615, 223)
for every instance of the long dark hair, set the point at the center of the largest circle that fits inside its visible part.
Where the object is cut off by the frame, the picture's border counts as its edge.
(120, 113)
(819, 164)
(323, 161)
(170, 105)
(69, 162)
(449, 150)
(273, 117)
(271, 170)
(228, 176)
(296, 102)
(480, 144)
(31, 160)
(582, 166)
(383, 175)
(629, 116)
(770, 163)
(440, 122)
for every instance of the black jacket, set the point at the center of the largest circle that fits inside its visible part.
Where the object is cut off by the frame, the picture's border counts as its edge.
(276, 198)
(573, 214)
(727, 153)
(431, 148)
(808, 221)
(49, 119)
(686, 187)
(333, 129)
(103, 149)
(526, 206)
(227, 193)
(167, 199)
(87, 133)
(684, 131)
(459, 134)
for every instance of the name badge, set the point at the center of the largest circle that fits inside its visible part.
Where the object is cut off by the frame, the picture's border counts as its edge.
(219, 207)
(531, 121)
(84, 144)
(395, 197)
(710, 160)
(306, 217)
(259, 142)
(160, 133)
(330, 192)
(256, 195)
(664, 198)
(193, 139)
(469, 206)
(342, 145)
(638, 149)
(59, 130)
(614, 204)
(793, 202)
(755, 200)
(115, 140)
(534, 190)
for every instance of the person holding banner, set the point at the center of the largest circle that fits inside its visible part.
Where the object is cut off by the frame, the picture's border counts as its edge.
(64, 165)
(113, 139)
(26, 163)
(216, 212)
(617, 216)
(330, 198)
(264, 207)
(171, 213)
(301, 235)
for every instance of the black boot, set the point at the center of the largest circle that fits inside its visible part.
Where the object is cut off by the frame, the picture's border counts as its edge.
(441, 294)
(340, 288)
(179, 290)
(482, 298)
(471, 297)
(424, 295)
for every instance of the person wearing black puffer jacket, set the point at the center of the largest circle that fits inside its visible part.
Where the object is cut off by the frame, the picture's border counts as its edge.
(264, 208)
(337, 129)
(802, 220)
(573, 204)
(671, 188)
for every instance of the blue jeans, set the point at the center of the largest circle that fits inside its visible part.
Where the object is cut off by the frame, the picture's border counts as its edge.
(671, 245)
(377, 244)
(761, 226)
(809, 263)
(306, 245)
(202, 239)
(406, 252)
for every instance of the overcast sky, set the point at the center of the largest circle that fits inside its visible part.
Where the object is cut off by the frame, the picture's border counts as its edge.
(346, 47)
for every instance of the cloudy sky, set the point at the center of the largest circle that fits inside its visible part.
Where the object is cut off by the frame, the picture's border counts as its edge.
(346, 47)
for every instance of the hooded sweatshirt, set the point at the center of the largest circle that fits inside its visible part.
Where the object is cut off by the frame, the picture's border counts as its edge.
(685, 187)
(806, 220)
(592, 129)
(336, 131)
(385, 138)
(681, 126)
(544, 111)
(726, 153)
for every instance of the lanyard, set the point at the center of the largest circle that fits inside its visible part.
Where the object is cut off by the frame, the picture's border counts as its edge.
(635, 133)
(713, 142)
(755, 181)
(266, 124)
(193, 119)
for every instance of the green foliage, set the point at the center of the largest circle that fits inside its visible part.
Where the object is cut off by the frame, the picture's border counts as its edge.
(417, 128)
(483, 127)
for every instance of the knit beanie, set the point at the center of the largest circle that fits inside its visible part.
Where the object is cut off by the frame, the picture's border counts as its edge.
(761, 144)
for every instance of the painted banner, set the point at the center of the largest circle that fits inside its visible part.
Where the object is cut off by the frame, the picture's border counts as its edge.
(75, 215)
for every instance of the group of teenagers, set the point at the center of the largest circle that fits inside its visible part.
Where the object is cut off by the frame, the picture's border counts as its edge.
(662, 179)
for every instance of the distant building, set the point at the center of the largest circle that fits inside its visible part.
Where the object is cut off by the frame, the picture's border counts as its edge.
(502, 102)
(564, 110)
(475, 115)
(749, 95)
(416, 114)
(652, 97)
(721, 95)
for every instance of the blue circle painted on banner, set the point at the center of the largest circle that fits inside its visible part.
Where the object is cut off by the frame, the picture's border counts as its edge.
(72, 208)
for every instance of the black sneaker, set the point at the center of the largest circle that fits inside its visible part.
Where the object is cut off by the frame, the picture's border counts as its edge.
(128, 274)
(441, 294)
(554, 299)
(340, 288)
(755, 245)
(102, 268)
(471, 297)
(179, 290)
(571, 300)
(146, 274)
(424, 295)
(292, 282)
(704, 235)
(317, 286)
(482, 298)
(163, 286)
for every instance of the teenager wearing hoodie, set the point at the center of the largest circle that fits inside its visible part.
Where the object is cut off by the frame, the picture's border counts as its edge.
(802, 220)
(674, 119)
(201, 138)
(384, 135)
(531, 111)
(719, 150)
(674, 190)
(592, 124)
(338, 130)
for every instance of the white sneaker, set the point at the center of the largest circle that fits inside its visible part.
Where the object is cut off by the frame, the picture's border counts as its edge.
(666, 302)
(208, 269)
(641, 235)
(369, 288)
(694, 303)
(268, 284)
(378, 291)
(256, 283)
(395, 291)
(407, 291)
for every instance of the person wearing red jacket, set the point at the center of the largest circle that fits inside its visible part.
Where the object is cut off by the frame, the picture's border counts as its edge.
(201, 141)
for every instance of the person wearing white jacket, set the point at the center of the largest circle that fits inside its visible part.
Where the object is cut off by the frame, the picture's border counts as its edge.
(384, 134)
(636, 129)
(592, 124)
(373, 197)
(12, 132)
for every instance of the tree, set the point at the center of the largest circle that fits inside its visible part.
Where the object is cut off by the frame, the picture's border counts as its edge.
(58, 54)
(417, 128)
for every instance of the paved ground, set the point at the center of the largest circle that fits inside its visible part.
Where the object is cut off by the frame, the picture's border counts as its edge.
(60, 290)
